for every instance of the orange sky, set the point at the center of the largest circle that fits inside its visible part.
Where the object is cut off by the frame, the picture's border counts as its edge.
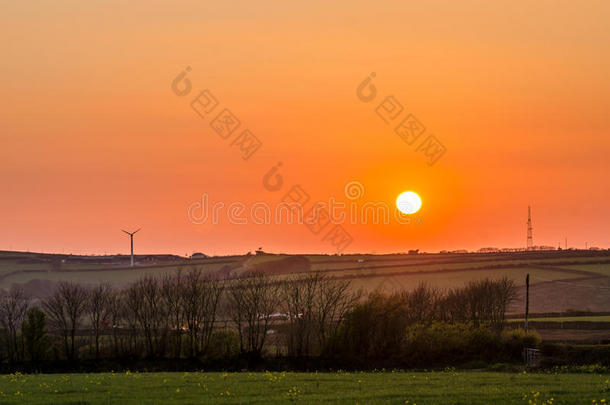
(94, 139)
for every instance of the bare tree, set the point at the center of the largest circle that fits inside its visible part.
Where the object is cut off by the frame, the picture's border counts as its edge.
(65, 309)
(13, 306)
(117, 313)
(253, 301)
(192, 307)
(213, 290)
(423, 303)
(480, 302)
(143, 300)
(98, 309)
(314, 305)
(505, 293)
(171, 293)
(453, 306)
(298, 304)
(201, 301)
(336, 297)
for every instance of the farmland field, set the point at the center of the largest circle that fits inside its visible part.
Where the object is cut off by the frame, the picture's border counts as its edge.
(114, 276)
(395, 282)
(283, 388)
(595, 268)
(560, 280)
(598, 318)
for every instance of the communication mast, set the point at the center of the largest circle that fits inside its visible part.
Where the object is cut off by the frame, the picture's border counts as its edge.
(530, 238)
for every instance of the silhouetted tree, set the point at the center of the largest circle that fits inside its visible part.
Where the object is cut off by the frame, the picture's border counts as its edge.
(201, 297)
(253, 301)
(34, 333)
(143, 301)
(423, 303)
(98, 309)
(117, 314)
(335, 299)
(65, 309)
(298, 304)
(13, 306)
(172, 296)
(375, 328)
(314, 305)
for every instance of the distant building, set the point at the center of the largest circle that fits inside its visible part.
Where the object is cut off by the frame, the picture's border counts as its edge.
(513, 249)
(544, 247)
(199, 255)
(489, 250)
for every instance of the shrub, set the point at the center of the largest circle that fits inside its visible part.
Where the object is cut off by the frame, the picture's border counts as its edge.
(515, 340)
(529, 339)
(373, 330)
(443, 343)
(224, 345)
(575, 355)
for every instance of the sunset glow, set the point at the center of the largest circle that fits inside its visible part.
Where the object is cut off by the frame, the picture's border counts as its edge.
(95, 139)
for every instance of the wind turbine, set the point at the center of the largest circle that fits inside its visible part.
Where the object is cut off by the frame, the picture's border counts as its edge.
(131, 237)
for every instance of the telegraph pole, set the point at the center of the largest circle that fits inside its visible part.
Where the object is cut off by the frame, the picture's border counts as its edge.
(527, 299)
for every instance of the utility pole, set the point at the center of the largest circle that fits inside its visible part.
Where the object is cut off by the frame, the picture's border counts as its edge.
(527, 299)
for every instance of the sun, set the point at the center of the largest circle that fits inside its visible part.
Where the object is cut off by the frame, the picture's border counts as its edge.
(408, 202)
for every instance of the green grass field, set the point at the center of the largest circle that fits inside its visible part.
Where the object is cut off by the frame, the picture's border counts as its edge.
(307, 388)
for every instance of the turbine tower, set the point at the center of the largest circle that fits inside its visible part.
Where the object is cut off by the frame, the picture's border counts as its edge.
(131, 237)
(530, 239)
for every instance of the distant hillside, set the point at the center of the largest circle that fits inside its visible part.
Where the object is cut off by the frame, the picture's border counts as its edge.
(560, 280)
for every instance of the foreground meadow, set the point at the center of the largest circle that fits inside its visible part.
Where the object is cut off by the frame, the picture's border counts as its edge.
(448, 387)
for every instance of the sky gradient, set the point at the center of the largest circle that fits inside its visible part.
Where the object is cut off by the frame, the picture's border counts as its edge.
(94, 140)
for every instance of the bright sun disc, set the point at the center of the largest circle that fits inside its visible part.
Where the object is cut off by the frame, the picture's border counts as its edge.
(408, 202)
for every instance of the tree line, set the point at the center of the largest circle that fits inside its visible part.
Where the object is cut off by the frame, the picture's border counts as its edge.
(191, 314)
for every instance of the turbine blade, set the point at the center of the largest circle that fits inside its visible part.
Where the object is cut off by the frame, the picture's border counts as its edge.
(137, 231)
(125, 232)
